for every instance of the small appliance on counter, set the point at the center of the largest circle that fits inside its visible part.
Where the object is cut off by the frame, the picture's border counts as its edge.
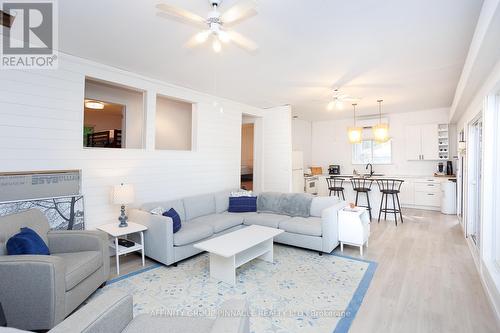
(449, 168)
(315, 170)
(334, 169)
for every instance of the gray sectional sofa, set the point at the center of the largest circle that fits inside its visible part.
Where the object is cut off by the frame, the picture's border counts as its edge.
(206, 216)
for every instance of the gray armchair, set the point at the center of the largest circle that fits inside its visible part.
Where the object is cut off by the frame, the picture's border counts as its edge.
(112, 312)
(37, 291)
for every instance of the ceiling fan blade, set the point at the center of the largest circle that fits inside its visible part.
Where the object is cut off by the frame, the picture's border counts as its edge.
(183, 14)
(239, 12)
(242, 41)
(198, 39)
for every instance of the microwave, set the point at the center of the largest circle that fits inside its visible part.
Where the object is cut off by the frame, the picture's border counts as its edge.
(334, 169)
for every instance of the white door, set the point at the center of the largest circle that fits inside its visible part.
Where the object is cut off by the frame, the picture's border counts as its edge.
(430, 142)
(413, 146)
(297, 160)
(298, 181)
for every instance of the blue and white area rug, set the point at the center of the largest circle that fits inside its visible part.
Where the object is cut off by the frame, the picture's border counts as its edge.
(300, 292)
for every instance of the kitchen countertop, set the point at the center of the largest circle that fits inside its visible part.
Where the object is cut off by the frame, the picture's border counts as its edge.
(443, 178)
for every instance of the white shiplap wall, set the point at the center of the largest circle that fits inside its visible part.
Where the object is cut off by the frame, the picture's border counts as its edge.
(41, 117)
(278, 149)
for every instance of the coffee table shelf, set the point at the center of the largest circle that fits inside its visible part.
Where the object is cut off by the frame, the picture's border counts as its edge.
(232, 250)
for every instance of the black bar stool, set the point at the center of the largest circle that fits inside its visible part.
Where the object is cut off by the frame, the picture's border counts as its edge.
(390, 187)
(363, 185)
(336, 185)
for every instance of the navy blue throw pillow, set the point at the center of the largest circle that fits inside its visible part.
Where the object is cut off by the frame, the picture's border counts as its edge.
(242, 204)
(26, 242)
(175, 218)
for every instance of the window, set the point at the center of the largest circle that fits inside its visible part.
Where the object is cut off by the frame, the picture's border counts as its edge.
(113, 116)
(370, 151)
(174, 122)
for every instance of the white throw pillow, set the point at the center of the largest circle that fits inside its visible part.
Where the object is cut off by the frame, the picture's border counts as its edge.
(241, 193)
(157, 211)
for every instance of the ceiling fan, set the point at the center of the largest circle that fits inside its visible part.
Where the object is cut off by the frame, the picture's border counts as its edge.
(216, 23)
(338, 100)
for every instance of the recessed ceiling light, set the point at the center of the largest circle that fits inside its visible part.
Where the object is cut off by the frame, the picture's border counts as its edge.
(95, 105)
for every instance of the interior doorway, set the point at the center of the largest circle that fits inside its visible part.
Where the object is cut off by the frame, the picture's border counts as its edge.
(474, 178)
(247, 152)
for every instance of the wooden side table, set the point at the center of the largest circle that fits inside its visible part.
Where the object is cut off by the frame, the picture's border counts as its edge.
(114, 231)
(354, 227)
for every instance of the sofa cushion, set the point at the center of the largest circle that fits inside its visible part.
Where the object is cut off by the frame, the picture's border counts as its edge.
(26, 242)
(269, 202)
(192, 232)
(220, 222)
(265, 219)
(79, 265)
(221, 201)
(199, 205)
(300, 225)
(319, 204)
(178, 205)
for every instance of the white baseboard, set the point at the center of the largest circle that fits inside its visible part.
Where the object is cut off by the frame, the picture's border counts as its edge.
(487, 281)
(491, 290)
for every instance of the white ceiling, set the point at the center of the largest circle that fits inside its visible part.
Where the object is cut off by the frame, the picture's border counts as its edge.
(410, 53)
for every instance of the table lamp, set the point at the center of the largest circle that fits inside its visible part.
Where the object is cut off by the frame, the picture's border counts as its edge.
(123, 194)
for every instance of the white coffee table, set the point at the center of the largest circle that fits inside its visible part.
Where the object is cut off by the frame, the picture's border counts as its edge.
(229, 251)
(114, 231)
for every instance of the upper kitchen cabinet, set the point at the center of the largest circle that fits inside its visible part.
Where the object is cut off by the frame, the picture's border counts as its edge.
(422, 142)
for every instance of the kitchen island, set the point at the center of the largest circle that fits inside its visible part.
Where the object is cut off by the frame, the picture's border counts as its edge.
(419, 192)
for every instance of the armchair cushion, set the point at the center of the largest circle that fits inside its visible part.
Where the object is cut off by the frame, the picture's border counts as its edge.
(27, 242)
(80, 265)
(64, 241)
(11, 224)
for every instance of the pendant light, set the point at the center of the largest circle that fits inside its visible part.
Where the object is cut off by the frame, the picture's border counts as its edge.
(354, 132)
(381, 131)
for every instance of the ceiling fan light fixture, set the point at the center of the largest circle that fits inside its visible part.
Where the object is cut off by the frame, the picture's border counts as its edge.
(339, 105)
(202, 36)
(224, 36)
(216, 45)
(330, 106)
(94, 105)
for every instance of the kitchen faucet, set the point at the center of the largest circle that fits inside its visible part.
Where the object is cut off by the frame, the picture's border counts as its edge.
(371, 168)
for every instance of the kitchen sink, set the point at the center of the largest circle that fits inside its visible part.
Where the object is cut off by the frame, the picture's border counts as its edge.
(367, 175)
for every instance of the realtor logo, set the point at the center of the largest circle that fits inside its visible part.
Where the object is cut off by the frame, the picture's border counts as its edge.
(31, 41)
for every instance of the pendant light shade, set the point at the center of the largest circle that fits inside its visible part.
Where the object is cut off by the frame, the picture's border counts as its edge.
(355, 133)
(381, 131)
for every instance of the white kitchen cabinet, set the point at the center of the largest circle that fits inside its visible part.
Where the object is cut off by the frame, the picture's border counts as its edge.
(413, 146)
(422, 142)
(407, 194)
(430, 142)
(428, 193)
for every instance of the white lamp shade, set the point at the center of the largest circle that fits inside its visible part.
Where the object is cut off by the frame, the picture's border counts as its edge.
(381, 132)
(355, 134)
(123, 194)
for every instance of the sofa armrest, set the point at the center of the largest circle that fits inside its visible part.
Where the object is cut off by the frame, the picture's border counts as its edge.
(330, 226)
(159, 238)
(109, 312)
(32, 290)
(233, 317)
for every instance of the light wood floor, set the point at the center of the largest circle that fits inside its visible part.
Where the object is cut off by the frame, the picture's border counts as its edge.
(426, 280)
